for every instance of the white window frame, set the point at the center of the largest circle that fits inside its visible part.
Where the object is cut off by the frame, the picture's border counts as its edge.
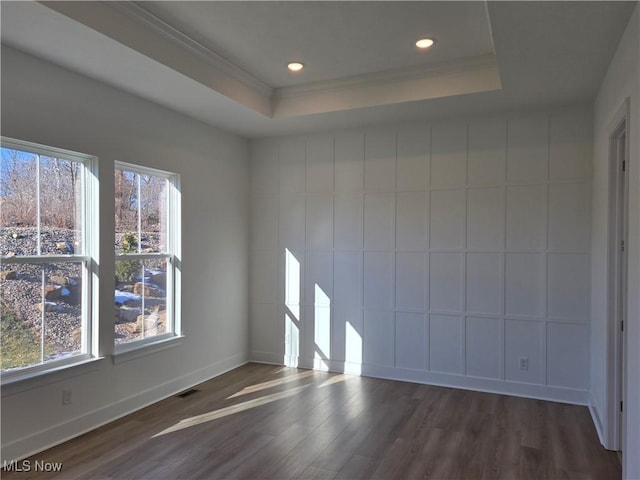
(173, 329)
(90, 230)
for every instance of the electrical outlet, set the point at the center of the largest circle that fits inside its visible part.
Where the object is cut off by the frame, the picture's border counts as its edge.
(66, 396)
(524, 363)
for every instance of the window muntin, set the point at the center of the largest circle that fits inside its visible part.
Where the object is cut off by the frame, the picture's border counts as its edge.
(147, 236)
(45, 285)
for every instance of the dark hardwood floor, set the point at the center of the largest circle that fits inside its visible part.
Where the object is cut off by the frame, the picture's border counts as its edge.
(263, 421)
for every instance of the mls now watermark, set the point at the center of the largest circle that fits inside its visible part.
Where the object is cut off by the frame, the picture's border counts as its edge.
(31, 466)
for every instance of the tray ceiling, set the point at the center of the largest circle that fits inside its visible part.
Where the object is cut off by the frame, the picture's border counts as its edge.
(225, 62)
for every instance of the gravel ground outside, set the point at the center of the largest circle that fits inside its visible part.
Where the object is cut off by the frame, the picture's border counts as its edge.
(21, 289)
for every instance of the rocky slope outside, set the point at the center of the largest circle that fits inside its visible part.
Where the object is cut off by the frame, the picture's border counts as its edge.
(27, 296)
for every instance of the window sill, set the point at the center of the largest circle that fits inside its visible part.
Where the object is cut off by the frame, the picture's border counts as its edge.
(126, 353)
(29, 381)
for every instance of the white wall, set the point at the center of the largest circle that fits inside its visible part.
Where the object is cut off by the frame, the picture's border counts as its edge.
(621, 82)
(46, 104)
(443, 252)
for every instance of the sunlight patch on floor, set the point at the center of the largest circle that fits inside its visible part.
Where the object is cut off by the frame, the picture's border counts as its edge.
(223, 412)
(334, 379)
(272, 383)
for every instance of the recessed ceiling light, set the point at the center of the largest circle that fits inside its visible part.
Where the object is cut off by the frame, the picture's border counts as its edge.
(424, 43)
(295, 66)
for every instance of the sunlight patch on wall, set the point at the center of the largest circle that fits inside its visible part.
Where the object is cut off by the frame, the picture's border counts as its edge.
(322, 325)
(353, 350)
(292, 284)
(291, 342)
(292, 309)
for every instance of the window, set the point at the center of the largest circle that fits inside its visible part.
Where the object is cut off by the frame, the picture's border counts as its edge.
(47, 248)
(146, 247)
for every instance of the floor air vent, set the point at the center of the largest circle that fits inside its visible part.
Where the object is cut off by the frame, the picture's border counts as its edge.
(186, 393)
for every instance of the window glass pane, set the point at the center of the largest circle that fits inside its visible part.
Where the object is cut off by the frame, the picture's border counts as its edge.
(126, 211)
(140, 299)
(140, 213)
(39, 298)
(143, 285)
(153, 213)
(42, 316)
(18, 203)
(60, 206)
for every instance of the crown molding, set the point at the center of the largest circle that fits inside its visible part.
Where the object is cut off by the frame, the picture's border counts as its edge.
(398, 86)
(389, 77)
(143, 16)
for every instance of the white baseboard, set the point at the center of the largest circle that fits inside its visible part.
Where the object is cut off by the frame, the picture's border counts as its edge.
(594, 408)
(50, 437)
(266, 357)
(540, 392)
(501, 387)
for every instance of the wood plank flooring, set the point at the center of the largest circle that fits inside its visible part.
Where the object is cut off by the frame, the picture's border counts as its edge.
(269, 422)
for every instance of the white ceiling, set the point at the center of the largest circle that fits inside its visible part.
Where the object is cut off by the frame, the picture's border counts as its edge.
(224, 62)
